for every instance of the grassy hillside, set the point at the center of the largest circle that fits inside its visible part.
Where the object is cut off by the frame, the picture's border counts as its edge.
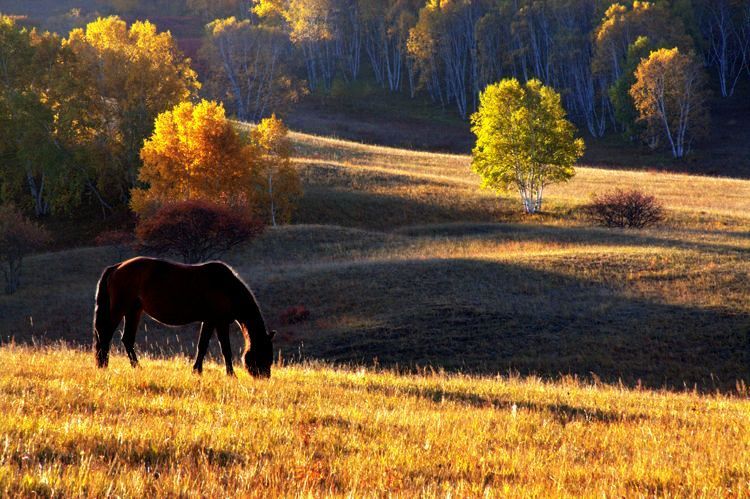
(402, 261)
(71, 430)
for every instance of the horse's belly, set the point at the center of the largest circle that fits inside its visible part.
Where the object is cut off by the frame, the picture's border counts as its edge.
(173, 309)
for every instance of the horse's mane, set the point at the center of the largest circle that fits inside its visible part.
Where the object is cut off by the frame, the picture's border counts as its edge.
(257, 315)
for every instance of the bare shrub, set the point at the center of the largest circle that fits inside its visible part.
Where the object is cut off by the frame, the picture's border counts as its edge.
(621, 208)
(197, 230)
(19, 236)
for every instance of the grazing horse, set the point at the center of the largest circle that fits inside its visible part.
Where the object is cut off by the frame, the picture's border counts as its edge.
(176, 294)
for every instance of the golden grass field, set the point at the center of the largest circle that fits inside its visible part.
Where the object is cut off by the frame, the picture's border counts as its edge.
(642, 339)
(69, 429)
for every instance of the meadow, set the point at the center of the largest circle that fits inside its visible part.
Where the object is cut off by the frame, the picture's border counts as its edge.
(401, 260)
(69, 429)
(453, 347)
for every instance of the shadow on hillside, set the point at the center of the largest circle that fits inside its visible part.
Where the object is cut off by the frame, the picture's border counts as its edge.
(487, 317)
(475, 316)
(363, 209)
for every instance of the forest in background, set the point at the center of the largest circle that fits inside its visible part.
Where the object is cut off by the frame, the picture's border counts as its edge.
(259, 56)
(397, 72)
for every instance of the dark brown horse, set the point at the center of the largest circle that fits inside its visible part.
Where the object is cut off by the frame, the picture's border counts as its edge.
(177, 294)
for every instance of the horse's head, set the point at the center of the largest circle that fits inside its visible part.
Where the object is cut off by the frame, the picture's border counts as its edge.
(259, 358)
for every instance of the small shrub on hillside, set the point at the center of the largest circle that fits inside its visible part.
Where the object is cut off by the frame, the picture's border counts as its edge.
(621, 208)
(196, 230)
(19, 236)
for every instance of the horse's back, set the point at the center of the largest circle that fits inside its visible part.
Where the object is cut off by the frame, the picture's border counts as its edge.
(176, 293)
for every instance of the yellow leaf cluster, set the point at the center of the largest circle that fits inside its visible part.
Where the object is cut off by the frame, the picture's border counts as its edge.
(279, 181)
(307, 20)
(136, 65)
(195, 153)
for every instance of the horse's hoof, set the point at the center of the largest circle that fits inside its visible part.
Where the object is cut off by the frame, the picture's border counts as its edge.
(197, 370)
(231, 374)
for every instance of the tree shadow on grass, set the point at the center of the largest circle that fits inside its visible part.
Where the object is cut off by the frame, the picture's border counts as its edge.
(562, 412)
(486, 317)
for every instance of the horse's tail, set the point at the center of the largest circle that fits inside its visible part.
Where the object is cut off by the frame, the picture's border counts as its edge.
(102, 312)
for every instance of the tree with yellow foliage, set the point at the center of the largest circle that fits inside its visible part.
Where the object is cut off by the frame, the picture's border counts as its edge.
(311, 26)
(670, 96)
(132, 74)
(195, 153)
(279, 181)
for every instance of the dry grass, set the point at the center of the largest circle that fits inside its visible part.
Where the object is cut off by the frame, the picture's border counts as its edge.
(68, 429)
(685, 194)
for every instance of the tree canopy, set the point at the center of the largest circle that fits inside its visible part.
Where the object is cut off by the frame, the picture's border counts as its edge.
(670, 95)
(524, 140)
(195, 152)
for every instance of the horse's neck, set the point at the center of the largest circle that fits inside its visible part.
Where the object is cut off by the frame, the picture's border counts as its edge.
(254, 319)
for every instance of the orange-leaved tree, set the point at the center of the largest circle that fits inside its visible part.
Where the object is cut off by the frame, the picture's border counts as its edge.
(670, 96)
(195, 152)
(280, 186)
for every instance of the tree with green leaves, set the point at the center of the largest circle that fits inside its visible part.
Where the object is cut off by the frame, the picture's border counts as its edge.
(40, 122)
(524, 140)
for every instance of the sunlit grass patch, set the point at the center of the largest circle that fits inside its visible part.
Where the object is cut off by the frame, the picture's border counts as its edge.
(69, 429)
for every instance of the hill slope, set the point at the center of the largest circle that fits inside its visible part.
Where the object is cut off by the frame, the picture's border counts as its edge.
(71, 430)
(401, 260)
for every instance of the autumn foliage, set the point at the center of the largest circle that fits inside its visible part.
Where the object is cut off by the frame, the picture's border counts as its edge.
(74, 112)
(670, 96)
(524, 141)
(196, 230)
(280, 186)
(195, 152)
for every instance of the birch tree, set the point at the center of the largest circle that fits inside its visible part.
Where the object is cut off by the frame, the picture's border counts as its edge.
(670, 96)
(247, 63)
(195, 152)
(279, 183)
(524, 141)
(727, 43)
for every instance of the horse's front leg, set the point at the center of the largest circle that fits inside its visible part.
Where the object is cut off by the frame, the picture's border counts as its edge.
(207, 329)
(132, 319)
(222, 331)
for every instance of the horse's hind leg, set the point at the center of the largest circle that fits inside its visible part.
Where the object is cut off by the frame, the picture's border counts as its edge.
(207, 329)
(222, 331)
(132, 319)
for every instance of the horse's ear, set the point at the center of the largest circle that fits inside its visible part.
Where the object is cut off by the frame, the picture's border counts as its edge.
(272, 334)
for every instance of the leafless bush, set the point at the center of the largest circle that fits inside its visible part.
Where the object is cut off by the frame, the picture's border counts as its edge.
(631, 208)
(197, 230)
